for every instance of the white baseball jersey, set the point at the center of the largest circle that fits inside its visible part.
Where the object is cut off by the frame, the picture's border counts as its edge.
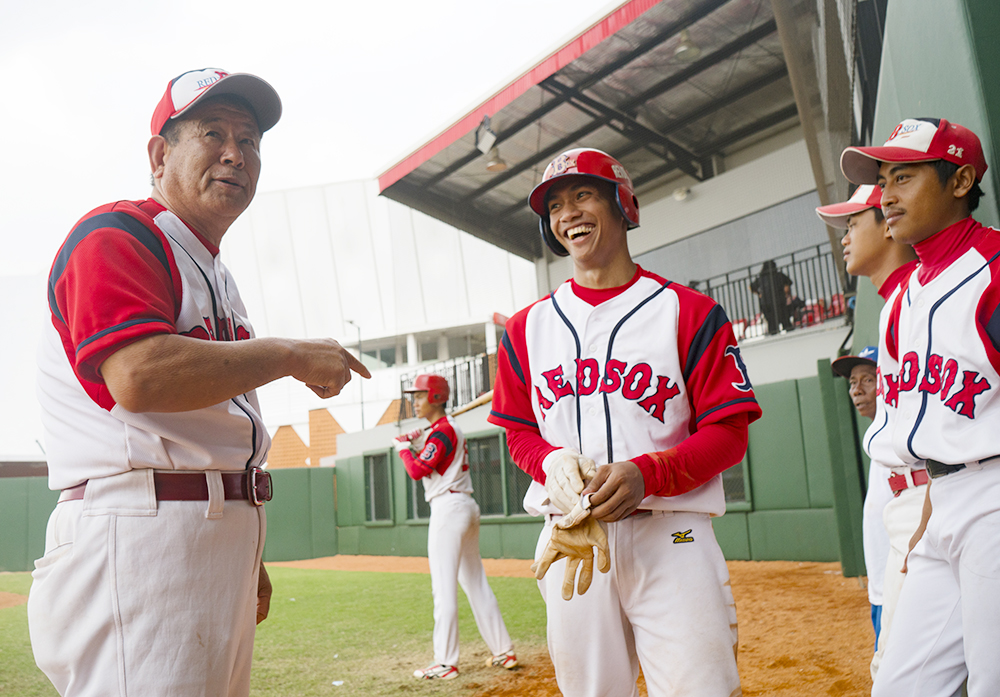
(878, 438)
(635, 374)
(622, 374)
(947, 330)
(443, 463)
(145, 272)
(947, 343)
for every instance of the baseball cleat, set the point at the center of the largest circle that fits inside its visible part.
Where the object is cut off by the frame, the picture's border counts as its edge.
(504, 660)
(437, 671)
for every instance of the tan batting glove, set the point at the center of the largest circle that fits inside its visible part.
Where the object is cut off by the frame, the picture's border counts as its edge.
(577, 546)
(580, 512)
(566, 473)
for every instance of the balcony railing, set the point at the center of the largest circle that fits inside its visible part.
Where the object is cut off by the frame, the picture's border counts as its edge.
(815, 294)
(468, 377)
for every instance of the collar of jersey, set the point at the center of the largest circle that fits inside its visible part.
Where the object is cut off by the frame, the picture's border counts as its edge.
(895, 278)
(938, 251)
(596, 296)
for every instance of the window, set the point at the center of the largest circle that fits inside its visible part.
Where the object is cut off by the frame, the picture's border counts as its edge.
(486, 469)
(734, 483)
(388, 356)
(417, 507)
(499, 484)
(429, 351)
(378, 488)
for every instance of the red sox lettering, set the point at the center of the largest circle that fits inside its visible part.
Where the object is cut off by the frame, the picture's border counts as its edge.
(207, 333)
(617, 376)
(939, 377)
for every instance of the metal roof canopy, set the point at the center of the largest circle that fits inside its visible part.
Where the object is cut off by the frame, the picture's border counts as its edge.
(618, 87)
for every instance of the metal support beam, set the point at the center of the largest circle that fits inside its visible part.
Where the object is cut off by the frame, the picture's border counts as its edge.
(735, 46)
(698, 13)
(631, 128)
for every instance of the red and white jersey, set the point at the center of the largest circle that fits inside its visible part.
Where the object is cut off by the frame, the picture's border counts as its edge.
(946, 326)
(878, 438)
(633, 373)
(443, 463)
(130, 270)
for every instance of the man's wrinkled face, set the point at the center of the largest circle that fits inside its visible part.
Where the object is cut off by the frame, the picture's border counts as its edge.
(864, 386)
(213, 167)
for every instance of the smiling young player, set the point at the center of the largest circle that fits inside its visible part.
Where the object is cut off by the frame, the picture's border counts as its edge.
(641, 376)
(944, 331)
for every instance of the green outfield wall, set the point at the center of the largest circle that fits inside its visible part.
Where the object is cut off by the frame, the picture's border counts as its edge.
(795, 485)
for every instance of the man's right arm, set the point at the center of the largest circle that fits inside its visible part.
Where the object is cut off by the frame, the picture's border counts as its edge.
(171, 373)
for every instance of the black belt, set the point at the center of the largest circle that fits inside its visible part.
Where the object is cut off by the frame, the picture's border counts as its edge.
(938, 469)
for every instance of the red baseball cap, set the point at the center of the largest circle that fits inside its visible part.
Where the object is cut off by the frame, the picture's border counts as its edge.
(185, 90)
(916, 140)
(836, 214)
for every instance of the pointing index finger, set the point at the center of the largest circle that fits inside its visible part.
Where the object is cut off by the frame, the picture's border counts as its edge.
(357, 366)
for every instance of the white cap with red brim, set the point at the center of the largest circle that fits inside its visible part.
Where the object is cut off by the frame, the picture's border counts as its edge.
(188, 89)
(916, 140)
(836, 214)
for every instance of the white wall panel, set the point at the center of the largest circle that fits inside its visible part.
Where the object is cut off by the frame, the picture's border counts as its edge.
(277, 267)
(316, 274)
(441, 277)
(357, 277)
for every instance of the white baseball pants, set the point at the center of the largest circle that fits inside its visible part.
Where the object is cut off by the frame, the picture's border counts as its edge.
(666, 604)
(139, 599)
(902, 517)
(947, 621)
(453, 555)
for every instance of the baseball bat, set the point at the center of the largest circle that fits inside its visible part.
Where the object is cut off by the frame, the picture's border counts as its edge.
(477, 402)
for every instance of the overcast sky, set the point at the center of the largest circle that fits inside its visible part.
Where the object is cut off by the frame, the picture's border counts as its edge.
(362, 84)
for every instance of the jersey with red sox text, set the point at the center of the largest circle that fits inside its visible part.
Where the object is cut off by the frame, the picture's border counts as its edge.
(130, 270)
(878, 438)
(443, 463)
(635, 374)
(946, 325)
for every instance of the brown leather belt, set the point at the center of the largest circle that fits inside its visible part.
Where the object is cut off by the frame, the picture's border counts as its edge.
(898, 483)
(253, 485)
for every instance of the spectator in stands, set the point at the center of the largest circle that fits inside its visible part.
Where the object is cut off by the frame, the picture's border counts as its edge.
(774, 290)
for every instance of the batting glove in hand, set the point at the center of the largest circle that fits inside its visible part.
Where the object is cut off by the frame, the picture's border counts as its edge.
(580, 512)
(407, 437)
(400, 446)
(566, 473)
(577, 546)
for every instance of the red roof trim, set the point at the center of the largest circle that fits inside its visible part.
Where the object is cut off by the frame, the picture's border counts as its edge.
(623, 16)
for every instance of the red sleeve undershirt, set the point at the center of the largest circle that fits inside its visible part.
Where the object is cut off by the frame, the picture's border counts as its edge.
(437, 453)
(713, 448)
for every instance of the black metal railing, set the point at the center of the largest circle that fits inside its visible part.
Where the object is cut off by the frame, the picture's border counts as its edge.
(468, 377)
(814, 295)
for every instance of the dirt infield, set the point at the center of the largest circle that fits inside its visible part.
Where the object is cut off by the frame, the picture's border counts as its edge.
(11, 599)
(804, 629)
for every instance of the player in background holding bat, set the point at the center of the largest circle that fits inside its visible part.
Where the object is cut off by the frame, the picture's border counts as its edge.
(895, 488)
(626, 369)
(442, 464)
(944, 332)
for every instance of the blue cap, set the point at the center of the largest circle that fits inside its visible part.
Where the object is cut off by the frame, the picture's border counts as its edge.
(845, 364)
(870, 353)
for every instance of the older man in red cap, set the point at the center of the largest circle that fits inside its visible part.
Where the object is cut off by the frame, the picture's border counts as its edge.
(152, 581)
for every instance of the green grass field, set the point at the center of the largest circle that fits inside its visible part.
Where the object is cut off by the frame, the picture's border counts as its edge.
(369, 630)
